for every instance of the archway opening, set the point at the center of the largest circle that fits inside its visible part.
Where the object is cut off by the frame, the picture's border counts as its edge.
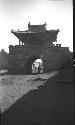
(37, 66)
(34, 65)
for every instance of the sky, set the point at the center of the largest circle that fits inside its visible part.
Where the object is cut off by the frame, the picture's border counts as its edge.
(15, 14)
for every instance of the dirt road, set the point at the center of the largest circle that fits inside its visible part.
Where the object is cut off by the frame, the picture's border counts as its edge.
(51, 104)
(13, 87)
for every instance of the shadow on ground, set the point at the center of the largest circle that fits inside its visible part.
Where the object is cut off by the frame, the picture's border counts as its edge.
(51, 104)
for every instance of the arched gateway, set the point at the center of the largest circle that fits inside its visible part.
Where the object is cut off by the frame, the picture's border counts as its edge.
(30, 63)
(37, 43)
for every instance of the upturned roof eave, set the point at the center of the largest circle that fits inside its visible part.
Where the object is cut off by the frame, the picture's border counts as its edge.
(31, 32)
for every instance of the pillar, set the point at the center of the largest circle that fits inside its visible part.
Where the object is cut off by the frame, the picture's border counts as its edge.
(19, 39)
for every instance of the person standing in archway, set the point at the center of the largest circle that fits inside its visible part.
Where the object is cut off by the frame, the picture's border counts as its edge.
(39, 68)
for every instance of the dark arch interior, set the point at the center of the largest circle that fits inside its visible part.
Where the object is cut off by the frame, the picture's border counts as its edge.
(30, 62)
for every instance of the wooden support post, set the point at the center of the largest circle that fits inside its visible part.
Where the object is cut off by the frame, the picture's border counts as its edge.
(19, 42)
(19, 39)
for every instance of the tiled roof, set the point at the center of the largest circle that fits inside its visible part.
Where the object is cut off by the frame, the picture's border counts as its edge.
(37, 28)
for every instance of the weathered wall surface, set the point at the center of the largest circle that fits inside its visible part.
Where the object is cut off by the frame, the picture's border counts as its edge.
(20, 55)
(53, 57)
(4, 60)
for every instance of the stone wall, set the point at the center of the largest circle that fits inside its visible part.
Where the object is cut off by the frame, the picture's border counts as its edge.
(4, 60)
(53, 57)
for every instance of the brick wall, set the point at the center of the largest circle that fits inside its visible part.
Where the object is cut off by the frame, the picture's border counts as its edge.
(53, 57)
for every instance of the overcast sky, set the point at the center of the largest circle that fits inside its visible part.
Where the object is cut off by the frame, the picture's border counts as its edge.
(15, 14)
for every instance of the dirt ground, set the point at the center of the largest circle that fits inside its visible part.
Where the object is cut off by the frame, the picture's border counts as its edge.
(13, 87)
(51, 104)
